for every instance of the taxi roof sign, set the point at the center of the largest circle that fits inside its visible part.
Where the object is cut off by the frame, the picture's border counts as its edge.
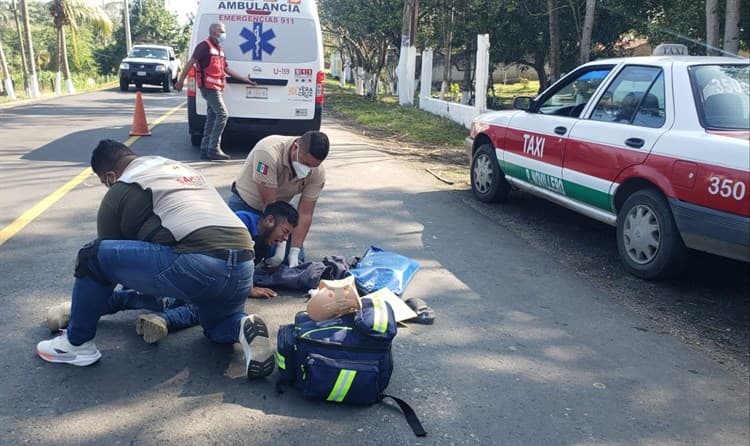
(670, 49)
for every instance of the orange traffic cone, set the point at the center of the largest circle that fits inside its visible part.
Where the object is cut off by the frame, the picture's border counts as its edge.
(140, 126)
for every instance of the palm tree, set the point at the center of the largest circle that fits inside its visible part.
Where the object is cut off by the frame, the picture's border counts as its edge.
(33, 81)
(70, 13)
(21, 46)
(7, 81)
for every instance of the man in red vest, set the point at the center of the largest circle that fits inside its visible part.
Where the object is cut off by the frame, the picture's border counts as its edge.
(210, 72)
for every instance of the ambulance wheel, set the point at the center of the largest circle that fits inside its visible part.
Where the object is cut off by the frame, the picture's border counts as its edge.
(648, 240)
(487, 179)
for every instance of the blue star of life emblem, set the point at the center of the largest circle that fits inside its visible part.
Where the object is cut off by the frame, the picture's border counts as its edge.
(257, 41)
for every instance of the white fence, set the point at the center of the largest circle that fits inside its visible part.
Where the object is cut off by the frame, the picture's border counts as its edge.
(462, 114)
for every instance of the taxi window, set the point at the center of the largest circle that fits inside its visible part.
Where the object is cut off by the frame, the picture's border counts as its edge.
(722, 95)
(570, 96)
(636, 96)
(274, 40)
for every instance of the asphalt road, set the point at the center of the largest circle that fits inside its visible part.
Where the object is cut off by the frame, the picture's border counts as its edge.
(526, 349)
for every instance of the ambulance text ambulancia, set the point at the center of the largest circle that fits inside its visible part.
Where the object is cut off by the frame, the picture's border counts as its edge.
(658, 146)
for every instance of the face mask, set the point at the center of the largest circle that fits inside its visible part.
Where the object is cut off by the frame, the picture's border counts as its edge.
(300, 169)
(222, 37)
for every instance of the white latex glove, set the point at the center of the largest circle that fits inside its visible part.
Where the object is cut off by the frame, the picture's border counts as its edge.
(293, 257)
(278, 256)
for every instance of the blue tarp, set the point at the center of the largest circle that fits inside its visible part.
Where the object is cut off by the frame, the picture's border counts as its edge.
(379, 269)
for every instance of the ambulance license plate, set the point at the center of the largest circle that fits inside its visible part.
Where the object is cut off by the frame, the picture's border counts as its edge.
(257, 93)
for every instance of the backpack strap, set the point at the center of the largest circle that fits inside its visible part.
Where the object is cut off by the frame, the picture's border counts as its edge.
(409, 414)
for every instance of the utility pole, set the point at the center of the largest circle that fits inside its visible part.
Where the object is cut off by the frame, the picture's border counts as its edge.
(128, 42)
(408, 56)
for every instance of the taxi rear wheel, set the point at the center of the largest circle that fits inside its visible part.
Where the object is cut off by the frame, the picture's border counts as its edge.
(487, 179)
(648, 240)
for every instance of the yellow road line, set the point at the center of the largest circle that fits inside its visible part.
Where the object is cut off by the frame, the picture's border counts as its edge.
(18, 224)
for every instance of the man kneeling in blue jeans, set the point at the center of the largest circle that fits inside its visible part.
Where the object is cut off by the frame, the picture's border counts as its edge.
(163, 231)
(168, 314)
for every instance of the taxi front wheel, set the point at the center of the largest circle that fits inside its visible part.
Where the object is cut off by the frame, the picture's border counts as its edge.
(648, 240)
(487, 179)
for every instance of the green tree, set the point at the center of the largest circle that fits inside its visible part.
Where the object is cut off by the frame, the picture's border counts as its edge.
(365, 31)
(151, 23)
(69, 14)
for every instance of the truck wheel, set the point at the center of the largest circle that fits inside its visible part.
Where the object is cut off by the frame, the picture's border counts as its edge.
(124, 84)
(648, 240)
(167, 84)
(196, 140)
(487, 179)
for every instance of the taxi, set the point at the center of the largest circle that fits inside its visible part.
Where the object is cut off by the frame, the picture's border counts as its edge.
(658, 146)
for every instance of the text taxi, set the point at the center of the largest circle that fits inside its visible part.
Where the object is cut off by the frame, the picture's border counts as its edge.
(656, 146)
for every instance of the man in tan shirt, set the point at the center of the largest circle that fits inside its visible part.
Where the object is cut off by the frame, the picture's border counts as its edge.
(279, 168)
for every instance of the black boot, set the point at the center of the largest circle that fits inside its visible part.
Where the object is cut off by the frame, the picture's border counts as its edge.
(217, 154)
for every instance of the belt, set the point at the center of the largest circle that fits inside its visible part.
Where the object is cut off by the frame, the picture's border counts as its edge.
(242, 255)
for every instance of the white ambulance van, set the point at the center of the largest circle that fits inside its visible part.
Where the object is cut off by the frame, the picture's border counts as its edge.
(279, 44)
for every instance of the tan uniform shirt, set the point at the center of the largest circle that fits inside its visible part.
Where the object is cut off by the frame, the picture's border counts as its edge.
(268, 164)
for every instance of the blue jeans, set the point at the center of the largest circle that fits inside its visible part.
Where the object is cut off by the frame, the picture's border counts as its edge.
(217, 287)
(216, 119)
(177, 313)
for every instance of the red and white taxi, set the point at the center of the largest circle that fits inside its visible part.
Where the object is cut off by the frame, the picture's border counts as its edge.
(658, 146)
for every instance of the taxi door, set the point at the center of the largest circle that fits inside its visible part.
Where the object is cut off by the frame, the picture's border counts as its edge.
(536, 141)
(620, 130)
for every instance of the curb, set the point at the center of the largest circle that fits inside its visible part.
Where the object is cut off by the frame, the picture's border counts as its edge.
(18, 103)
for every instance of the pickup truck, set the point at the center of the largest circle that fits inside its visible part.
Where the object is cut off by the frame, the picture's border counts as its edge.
(150, 64)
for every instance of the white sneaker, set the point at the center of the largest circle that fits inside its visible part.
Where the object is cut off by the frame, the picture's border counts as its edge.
(253, 337)
(152, 327)
(60, 350)
(58, 316)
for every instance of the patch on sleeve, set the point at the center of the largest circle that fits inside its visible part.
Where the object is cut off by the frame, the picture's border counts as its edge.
(262, 168)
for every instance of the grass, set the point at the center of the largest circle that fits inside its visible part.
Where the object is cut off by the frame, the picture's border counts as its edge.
(504, 94)
(386, 118)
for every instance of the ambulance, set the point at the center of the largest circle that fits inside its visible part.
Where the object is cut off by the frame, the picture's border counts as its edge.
(658, 146)
(279, 44)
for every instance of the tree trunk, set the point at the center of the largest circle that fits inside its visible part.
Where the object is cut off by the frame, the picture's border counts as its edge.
(66, 69)
(58, 56)
(447, 69)
(33, 81)
(539, 63)
(7, 82)
(732, 26)
(588, 27)
(21, 47)
(712, 27)
(554, 41)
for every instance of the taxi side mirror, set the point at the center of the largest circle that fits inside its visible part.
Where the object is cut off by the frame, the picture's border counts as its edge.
(523, 103)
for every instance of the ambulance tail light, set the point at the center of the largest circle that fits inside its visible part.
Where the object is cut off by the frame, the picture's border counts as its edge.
(319, 87)
(191, 83)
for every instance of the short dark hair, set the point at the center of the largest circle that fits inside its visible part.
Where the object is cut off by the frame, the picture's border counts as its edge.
(107, 154)
(281, 210)
(316, 144)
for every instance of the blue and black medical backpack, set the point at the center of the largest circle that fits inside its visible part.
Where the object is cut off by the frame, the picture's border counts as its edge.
(342, 360)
